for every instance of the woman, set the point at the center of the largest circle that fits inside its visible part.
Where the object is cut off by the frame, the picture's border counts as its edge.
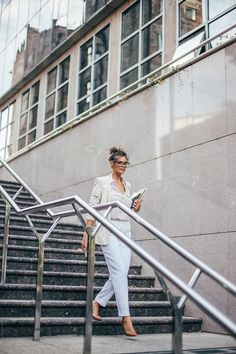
(117, 254)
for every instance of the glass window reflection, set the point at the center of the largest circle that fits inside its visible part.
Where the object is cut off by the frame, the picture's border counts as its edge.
(191, 15)
(221, 24)
(86, 52)
(52, 80)
(45, 30)
(129, 52)
(101, 42)
(151, 9)
(4, 28)
(50, 106)
(25, 101)
(92, 6)
(130, 20)
(59, 28)
(62, 98)
(152, 38)
(100, 72)
(13, 17)
(151, 65)
(75, 14)
(85, 83)
(218, 6)
(64, 69)
(129, 78)
(23, 14)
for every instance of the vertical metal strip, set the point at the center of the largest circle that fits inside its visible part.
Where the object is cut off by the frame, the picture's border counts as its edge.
(89, 299)
(39, 291)
(5, 243)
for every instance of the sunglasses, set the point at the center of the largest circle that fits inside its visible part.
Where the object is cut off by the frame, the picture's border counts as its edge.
(121, 163)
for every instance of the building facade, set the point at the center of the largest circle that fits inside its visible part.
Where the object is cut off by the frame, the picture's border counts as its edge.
(74, 82)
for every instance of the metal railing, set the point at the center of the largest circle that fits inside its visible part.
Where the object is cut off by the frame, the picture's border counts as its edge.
(79, 208)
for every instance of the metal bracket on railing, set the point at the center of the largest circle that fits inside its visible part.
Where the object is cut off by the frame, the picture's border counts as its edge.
(5, 242)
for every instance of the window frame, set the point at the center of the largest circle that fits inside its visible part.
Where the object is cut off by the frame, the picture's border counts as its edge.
(91, 66)
(140, 31)
(27, 111)
(8, 124)
(55, 91)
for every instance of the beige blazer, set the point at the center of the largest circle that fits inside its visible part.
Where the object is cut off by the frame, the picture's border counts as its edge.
(101, 194)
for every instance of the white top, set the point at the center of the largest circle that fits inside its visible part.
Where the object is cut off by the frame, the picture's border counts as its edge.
(123, 197)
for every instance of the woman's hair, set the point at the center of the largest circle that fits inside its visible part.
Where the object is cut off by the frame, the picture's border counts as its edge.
(116, 152)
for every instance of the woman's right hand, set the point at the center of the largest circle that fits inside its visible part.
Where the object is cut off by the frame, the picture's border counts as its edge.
(85, 242)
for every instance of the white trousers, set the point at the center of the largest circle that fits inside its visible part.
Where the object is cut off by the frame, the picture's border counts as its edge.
(117, 256)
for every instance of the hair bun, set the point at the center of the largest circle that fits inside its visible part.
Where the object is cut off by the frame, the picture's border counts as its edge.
(115, 149)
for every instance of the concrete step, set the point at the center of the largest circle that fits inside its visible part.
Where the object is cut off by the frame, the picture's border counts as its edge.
(26, 308)
(71, 293)
(59, 265)
(13, 327)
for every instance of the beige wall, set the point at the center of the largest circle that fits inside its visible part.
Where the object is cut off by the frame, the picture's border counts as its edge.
(180, 135)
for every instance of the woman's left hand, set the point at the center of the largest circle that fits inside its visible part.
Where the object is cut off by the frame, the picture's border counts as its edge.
(137, 205)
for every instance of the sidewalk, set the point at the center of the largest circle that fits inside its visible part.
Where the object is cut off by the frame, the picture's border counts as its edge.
(143, 344)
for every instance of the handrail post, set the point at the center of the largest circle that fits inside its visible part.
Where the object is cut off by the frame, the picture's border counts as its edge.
(177, 334)
(89, 298)
(5, 242)
(39, 291)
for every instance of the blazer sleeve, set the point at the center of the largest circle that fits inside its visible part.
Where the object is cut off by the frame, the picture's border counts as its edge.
(96, 195)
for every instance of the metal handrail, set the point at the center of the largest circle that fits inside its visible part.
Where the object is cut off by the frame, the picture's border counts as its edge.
(81, 207)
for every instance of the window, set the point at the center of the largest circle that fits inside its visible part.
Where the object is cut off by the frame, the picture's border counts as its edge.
(93, 71)
(141, 40)
(57, 96)
(28, 116)
(6, 130)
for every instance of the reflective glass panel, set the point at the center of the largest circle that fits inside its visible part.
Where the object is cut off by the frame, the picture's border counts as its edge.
(2, 55)
(11, 113)
(100, 72)
(52, 80)
(23, 123)
(221, 24)
(20, 48)
(152, 38)
(34, 6)
(130, 20)
(45, 30)
(25, 101)
(4, 28)
(218, 6)
(190, 15)
(62, 98)
(32, 137)
(85, 83)
(33, 113)
(50, 106)
(129, 52)
(101, 42)
(34, 93)
(86, 51)
(93, 6)
(23, 14)
(83, 106)
(60, 119)
(59, 28)
(21, 143)
(48, 127)
(9, 134)
(151, 65)
(32, 46)
(9, 66)
(100, 96)
(3, 137)
(4, 118)
(75, 14)
(14, 7)
(151, 9)
(64, 69)
(129, 78)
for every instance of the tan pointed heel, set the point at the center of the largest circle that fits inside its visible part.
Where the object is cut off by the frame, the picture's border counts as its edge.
(96, 308)
(128, 327)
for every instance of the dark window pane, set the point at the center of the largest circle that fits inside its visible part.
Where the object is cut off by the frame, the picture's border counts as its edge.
(52, 79)
(129, 53)
(218, 6)
(130, 20)
(62, 98)
(83, 105)
(60, 119)
(151, 9)
(64, 69)
(151, 65)
(101, 42)
(86, 51)
(35, 93)
(85, 83)
(152, 38)
(100, 96)
(21, 143)
(93, 6)
(33, 117)
(25, 101)
(129, 78)
(32, 137)
(48, 127)
(50, 106)
(23, 123)
(191, 15)
(100, 72)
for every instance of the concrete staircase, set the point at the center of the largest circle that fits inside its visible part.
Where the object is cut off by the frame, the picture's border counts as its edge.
(64, 289)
